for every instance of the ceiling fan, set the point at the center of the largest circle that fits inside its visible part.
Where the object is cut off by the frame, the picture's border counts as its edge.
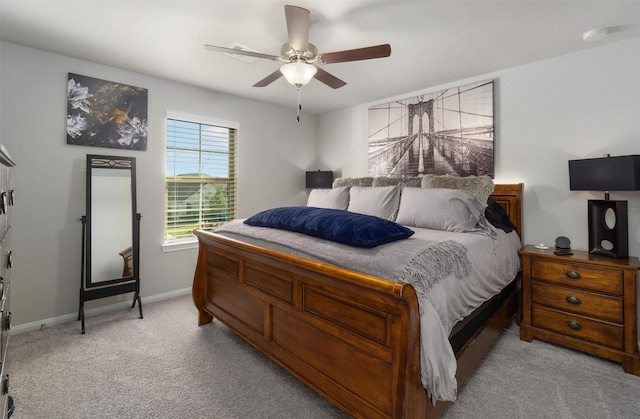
(301, 57)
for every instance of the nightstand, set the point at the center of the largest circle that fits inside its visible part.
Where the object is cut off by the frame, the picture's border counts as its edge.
(582, 301)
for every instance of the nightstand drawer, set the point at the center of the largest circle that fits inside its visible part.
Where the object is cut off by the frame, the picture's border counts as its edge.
(575, 275)
(581, 302)
(602, 333)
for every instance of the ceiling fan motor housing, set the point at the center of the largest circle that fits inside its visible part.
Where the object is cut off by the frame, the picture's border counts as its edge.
(289, 54)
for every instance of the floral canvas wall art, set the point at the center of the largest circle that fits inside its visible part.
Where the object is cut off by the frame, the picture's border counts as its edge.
(102, 113)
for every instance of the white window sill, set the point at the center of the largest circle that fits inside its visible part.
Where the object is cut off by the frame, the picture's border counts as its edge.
(183, 245)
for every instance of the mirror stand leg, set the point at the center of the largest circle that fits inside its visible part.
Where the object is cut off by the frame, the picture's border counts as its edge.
(136, 297)
(81, 318)
(139, 305)
(81, 310)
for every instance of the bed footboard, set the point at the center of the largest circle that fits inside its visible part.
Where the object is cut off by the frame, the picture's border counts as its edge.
(351, 337)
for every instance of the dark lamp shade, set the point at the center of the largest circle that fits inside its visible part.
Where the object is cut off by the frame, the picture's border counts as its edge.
(621, 173)
(319, 179)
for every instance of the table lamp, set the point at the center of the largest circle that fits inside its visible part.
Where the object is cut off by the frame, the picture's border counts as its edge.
(608, 220)
(319, 179)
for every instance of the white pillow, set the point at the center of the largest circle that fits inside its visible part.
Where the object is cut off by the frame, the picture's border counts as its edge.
(439, 209)
(378, 201)
(336, 198)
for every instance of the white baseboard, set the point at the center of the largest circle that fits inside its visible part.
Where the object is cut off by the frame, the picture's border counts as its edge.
(27, 327)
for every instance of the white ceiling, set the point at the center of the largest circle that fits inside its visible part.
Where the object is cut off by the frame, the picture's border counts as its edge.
(432, 42)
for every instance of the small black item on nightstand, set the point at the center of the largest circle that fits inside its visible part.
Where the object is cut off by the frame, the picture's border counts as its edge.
(563, 246)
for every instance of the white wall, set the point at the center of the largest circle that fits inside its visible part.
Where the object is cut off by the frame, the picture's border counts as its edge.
(575, 106)
(273, 153)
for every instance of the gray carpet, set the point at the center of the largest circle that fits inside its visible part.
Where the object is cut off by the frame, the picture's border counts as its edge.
(165, 366)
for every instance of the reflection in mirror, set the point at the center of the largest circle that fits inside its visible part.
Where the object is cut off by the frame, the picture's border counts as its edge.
(111, 221)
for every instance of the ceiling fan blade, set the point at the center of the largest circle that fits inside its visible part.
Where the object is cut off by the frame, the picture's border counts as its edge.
(269, 79)
(329, 79)
(242, 52)
(297, 27)
(367, 53)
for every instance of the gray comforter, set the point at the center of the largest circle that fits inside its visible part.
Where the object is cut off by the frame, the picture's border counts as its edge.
(453, 273)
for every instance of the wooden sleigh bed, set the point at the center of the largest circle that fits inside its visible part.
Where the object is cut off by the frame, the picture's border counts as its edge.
(353, 338)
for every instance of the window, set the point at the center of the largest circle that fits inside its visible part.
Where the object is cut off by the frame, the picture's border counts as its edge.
(200, 181)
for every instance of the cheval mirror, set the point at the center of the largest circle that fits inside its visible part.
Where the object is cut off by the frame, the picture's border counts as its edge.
(110, 232)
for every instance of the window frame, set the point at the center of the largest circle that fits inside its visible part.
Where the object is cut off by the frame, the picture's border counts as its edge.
(192, 242)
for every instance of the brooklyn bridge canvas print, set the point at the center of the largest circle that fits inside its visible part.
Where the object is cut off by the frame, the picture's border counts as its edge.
(445, 132)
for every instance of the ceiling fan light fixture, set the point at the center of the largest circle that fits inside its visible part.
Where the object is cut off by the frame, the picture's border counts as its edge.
(298, 73)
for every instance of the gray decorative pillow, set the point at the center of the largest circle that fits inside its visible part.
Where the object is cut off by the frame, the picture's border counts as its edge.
(480, 186)
(414, 182)
(439, 209)
(336, 198)
(386, 181)
(380, 201)
(355, 181)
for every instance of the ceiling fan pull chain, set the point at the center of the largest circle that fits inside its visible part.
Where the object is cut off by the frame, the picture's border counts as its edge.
(299, 102)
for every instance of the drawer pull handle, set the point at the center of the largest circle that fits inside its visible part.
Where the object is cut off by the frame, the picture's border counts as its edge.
(572, 275)
(574, 301)
(575, 326)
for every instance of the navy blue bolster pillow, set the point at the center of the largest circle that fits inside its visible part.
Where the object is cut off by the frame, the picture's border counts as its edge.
(331, 224)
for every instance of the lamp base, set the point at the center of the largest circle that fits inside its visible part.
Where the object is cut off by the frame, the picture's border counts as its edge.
(608, 228)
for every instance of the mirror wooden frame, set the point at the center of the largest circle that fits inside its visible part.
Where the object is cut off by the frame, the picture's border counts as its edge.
(92, 288)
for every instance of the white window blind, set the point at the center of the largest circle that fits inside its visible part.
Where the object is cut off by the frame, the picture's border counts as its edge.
(200, 177)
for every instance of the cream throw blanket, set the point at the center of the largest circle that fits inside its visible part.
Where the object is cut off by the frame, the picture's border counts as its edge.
(419, 262)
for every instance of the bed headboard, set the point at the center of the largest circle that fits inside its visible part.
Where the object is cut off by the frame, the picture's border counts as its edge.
(509, 196)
